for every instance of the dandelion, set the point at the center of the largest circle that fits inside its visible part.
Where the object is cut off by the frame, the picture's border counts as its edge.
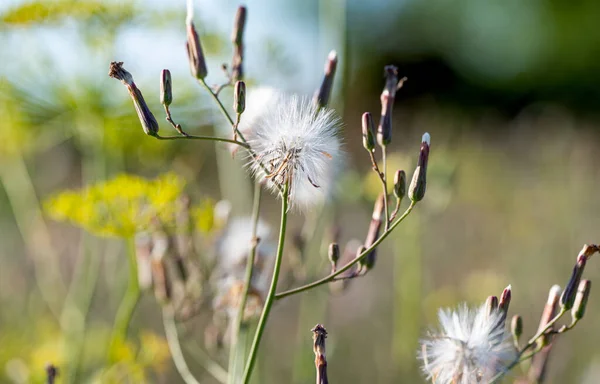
(471, 347)
(295, 143)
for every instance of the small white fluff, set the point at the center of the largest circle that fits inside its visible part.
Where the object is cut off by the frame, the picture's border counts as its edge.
(296, 142)
(235, 244)
(472, 346)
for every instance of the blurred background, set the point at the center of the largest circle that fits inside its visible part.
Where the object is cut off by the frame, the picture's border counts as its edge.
(510, 92)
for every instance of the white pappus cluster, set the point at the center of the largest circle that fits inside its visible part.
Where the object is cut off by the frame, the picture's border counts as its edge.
(295, 142)
(472, 346)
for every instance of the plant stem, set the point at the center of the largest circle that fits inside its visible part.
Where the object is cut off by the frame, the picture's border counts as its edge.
(202, 358)
(239, 319)
(530, 344)
(349, 265)
(128, 303)
(175, 347)
(209, 138)
(272, 290)
(384, 185)
(236, 131)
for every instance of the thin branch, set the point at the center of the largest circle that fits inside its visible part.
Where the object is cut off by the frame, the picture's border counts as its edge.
(209, 138)
(358, 258)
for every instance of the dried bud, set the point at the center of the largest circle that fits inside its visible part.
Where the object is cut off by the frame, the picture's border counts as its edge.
(416, 191)
(588, 250)
(334, 254)
(581, 299)
(237, 38)
(384, 130)
(149, 123)
(491, 304)
(322, 95)
(373, 232)
(166, 95)
(568, 295)
(195, 53)
(239, 97)
(52, 373)
(400, 184)
(516, 327)
(319, 336)
(368, 127)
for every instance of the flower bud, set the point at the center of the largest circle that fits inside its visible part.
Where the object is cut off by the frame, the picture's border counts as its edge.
(368, 127)
(400, 184)
(166, 95)
(239, 97)
(333, 254)
(418, 184)
(195, 53)
(373, 232)
(322, 95)
(384, 130)
(504, 301)
(568, 295)
(581, 299)
(516, 327)
(237, 34)
(491, 304)
(149, 123)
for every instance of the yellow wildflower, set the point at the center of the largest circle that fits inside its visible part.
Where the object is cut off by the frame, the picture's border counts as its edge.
(122, 206)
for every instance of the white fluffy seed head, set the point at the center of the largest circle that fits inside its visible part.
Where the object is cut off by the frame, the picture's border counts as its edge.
(471, 346)
(295, 142)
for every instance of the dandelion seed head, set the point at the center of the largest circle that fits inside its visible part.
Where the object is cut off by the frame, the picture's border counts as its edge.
(472, 346)
(296, 143)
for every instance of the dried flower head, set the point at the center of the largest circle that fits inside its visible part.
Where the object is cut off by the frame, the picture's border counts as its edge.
(296, 142)
(472, 346)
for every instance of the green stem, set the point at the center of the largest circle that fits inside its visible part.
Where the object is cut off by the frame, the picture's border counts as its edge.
(384, 185)
(209, 138)
(349, 265)
(272, 290)
(530, 344)
(175, 347)
(236, 130)
(240, 348)
(129, 303)
(220, 104)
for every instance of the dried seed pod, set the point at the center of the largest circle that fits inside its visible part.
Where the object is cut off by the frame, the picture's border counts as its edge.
(149, 123)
